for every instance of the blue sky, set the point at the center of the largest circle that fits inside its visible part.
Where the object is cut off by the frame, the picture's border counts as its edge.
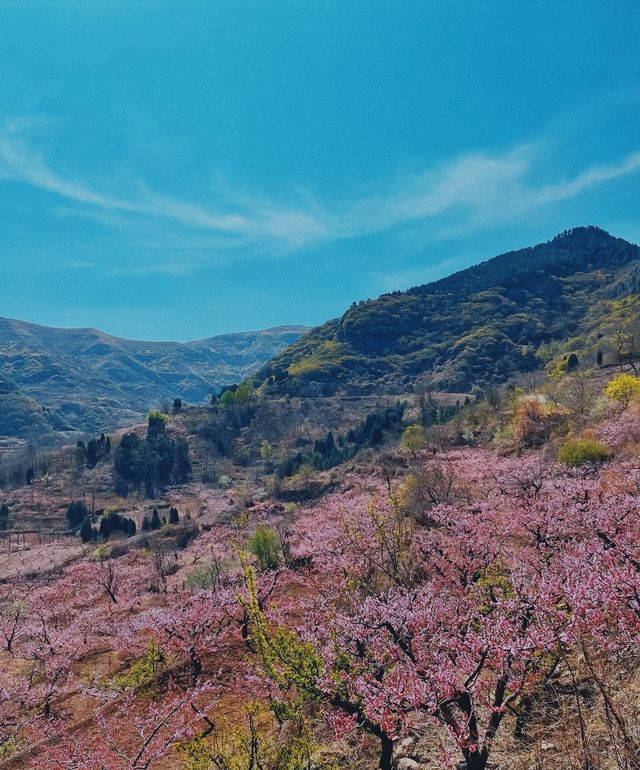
(174, 170)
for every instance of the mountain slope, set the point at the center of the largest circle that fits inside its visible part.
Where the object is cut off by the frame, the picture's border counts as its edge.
(23, 417)
(476, 327)
(94, 381)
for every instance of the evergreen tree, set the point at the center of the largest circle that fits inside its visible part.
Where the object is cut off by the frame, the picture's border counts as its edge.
(4, 516)
(181, 463)
(76, 513)
(155, 519)
(174, 516)
(87, 532)
(81, 455)
(122, 488)
(376, 438)
(92, 454)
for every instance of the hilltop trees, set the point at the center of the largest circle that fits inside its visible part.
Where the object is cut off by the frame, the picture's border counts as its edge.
(151, 463)
(572, 362)
(97, 449)
(91, 453)
(155, 519)
(480, 326)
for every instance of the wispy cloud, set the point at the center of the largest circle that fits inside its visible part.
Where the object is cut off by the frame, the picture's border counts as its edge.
(18, 162)
(160, 268)
(471, 191)
(589, 178)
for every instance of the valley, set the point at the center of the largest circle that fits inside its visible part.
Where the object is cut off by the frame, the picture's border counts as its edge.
(66, 381)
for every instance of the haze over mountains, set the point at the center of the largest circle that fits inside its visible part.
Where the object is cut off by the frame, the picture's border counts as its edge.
(86, 380)
(478, 327)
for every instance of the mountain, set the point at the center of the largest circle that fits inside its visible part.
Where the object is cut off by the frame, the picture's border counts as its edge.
(479, 326)
(84, 379)
(22, 416)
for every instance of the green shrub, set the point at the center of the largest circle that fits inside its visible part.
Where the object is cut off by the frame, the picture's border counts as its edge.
(207, 576)
(578, 451)
(101, 553)
(228, 398)
(264, 544)
(141, 670)
(157, 420)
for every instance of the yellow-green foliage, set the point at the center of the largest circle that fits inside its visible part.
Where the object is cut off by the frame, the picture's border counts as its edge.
(8, 748)
(265, 451)
(141, 671)
(243, 393)
(413, 438)
(578, 451)
(412, 497)
(285, 659)
(495, 584)
(263, 743)
(327, 355)
(228, 398)
(155, 416)
(264, 544)
(624, 388)
(101, 553)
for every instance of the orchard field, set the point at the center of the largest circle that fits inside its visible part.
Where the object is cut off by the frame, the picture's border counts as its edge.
(467, 606)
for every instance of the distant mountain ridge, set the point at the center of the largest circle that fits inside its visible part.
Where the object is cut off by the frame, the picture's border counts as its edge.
(21, 416)
(477, 327)
(84, 379)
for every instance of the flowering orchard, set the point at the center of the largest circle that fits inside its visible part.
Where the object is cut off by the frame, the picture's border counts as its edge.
(370, 619)
(459, 624)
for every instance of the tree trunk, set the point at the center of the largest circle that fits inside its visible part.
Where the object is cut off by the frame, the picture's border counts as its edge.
(476, 760)
(386, 752)
(520, 731)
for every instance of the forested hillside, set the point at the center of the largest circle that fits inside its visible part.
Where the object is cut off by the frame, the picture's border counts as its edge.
(481, 326)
